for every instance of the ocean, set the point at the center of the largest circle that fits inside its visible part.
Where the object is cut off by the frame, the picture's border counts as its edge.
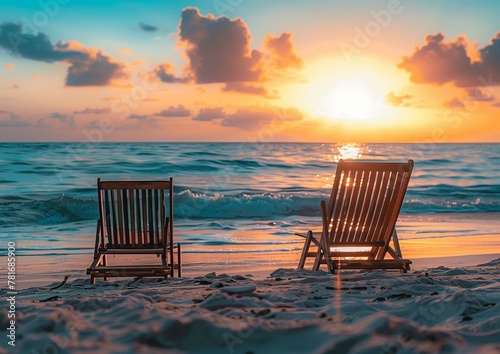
(229, 197)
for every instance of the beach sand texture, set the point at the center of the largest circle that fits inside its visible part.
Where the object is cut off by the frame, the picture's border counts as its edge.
(429, 310)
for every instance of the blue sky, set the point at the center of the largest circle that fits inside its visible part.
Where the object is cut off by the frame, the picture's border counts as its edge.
(332, 70)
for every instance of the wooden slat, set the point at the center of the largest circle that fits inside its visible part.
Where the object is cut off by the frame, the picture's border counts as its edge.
(133, 225)
(141, 185)
(150, 217)
(156, 214)
(138, 209)
(353, 205)
(339, 204)
(114, 237)
(385, 207)
(378, 200)
(369, 181)
(144, 218)
(120, 217)
(162, 215)
(126, 225)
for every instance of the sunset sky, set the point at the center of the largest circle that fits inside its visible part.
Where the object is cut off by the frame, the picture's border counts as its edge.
(250, 70)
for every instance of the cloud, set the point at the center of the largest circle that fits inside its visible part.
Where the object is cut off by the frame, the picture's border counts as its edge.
(87, 66)
(210, 114)
(142, 120)
(41, 123)
(139, 117)
(126, 51)
(395, 100)
(179, 111)
(63, 118)
(164, 72)
(218, 48)
(251, 118)
(496, 104)
(148, 28)
(13, 120)
(9, 66)
(249, 89)
(476, 94)
(29, 46)
(282, 53)
(60, 116)
(439, 62)
(93, 111)
(14, 87)
(455, 103)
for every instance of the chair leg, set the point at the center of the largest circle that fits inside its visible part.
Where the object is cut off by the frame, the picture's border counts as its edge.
(305, 250)
(179, 260)
(105, 263)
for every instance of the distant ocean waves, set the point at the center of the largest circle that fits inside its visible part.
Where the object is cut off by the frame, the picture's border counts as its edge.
(192, 204)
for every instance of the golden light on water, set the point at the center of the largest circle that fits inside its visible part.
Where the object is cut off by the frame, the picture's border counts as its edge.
(348, 151)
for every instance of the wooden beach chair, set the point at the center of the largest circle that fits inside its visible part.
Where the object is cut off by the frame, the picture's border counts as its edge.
(359, 221)
(133, 221)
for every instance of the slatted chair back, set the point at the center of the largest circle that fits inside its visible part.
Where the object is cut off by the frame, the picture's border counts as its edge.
(365, 202)
(134, 214)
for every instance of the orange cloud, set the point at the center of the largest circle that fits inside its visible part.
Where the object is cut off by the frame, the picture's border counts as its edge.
(439, 62)
(249, 89)
(282, 53)
(9, 66)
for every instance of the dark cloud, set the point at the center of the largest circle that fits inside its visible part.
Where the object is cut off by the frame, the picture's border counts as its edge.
(179, 111)
(148, 28)
(139, 117)
(496, 104)
(164, 72)
(29, 46)
(210, 114)
(218, 48)
(41, 123)
(455, 103)
(440, 62)
(88, 66)
(63, 118)
(249, 89)
(251, 118)
(13, 120)
(476, 94)
(97, 70)
(282, 53)
(143, 120)
(397, 100)
(93, 111)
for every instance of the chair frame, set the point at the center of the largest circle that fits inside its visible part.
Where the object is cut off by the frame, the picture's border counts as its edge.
(133, 220)
(364, 205)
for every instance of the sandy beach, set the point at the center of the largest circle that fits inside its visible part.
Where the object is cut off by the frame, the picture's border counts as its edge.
(443, 305)
(438, 309)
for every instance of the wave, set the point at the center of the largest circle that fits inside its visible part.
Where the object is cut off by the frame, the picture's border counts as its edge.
(189, 204)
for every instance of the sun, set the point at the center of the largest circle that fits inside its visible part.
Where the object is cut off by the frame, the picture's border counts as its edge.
(352, 101)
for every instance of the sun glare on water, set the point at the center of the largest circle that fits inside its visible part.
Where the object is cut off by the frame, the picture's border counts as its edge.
(352, 101)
